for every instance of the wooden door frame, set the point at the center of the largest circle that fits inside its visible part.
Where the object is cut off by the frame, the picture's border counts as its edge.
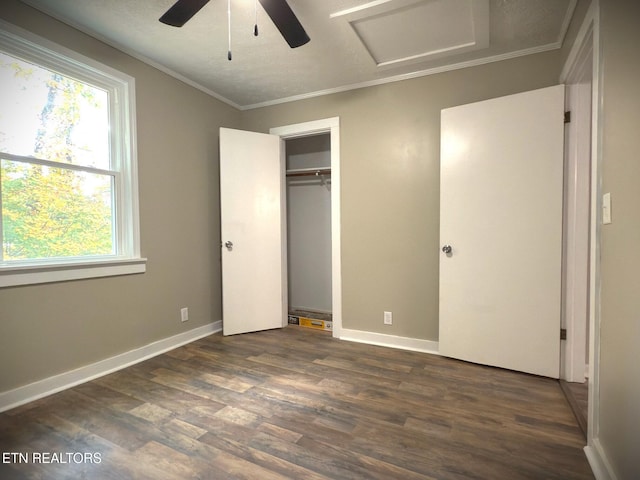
(306, 129)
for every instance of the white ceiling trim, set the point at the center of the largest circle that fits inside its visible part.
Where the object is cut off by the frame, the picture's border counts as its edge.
(407, 76)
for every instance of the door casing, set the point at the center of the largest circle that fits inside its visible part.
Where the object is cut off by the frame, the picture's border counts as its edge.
(579, 86)
(588, 37)
(306, 129)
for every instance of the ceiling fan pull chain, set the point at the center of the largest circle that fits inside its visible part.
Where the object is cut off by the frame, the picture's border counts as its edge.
(255, 27)
(229, 56)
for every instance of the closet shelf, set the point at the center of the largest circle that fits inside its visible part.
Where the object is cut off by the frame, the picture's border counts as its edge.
(304, 172)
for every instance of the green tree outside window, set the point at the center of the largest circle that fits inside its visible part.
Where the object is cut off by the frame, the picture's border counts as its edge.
(50, 211)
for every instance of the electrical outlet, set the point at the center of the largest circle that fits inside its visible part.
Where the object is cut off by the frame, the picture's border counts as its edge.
(388, 318)
(184, 314)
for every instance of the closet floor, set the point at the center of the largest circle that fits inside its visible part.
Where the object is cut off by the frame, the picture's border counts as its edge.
(311, 314)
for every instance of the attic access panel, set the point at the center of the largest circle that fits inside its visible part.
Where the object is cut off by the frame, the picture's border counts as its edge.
(399, 32)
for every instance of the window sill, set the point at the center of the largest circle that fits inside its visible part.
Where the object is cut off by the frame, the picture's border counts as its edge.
(11, 276)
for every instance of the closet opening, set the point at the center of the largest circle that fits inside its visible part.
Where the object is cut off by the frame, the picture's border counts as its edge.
(309, 236)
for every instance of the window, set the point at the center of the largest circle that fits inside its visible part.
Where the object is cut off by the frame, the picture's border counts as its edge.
(68, 184)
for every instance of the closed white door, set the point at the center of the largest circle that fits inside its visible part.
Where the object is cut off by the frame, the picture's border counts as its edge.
(501, 224)
(252, 232)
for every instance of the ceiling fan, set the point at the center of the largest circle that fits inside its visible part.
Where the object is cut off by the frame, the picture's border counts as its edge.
(278, 10)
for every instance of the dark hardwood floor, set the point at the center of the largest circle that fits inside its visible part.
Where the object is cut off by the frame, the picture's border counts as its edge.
(296, 403)
(577, 395)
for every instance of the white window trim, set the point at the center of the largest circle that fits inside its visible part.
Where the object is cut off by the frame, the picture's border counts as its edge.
(76, 269)
(121, 88)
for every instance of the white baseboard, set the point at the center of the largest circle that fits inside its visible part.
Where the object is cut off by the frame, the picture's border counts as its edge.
(48, 386)
(393, 341)
(598, 461)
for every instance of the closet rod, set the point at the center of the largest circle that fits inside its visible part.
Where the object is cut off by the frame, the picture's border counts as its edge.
(304, 172)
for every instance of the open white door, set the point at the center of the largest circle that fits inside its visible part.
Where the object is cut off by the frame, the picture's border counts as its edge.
(252, 232)
(501, 214)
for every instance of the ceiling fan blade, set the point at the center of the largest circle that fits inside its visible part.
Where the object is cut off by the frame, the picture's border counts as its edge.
(286, 21)
(182, 11)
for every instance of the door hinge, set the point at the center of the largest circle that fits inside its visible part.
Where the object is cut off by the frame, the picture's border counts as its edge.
(563, 334)
(567, 117)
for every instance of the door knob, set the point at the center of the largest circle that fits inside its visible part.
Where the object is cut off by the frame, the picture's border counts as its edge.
(446, 249)
(229, 245)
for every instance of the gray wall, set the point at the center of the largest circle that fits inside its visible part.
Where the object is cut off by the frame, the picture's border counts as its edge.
(390, 157)
(52, 328)
(620, 255)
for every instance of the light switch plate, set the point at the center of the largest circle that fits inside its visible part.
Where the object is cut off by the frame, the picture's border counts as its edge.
(606, 209)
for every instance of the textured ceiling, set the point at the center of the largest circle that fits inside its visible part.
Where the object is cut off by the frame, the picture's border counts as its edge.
(353, 42)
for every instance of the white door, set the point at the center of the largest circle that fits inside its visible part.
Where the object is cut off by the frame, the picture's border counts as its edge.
(252, 232)
(501, 214)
